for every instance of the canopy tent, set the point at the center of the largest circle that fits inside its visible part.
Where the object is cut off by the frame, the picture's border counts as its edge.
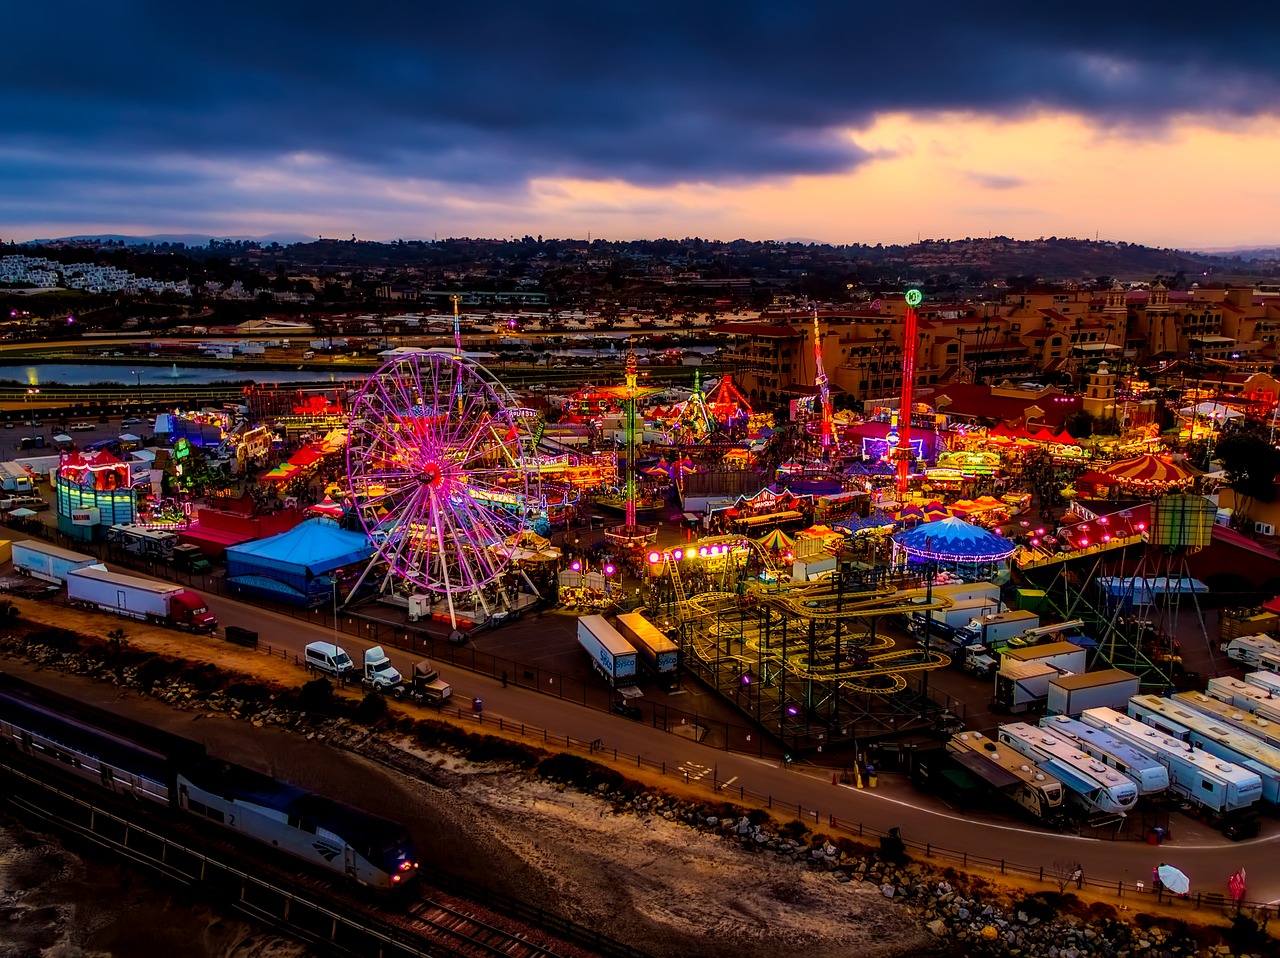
(1211, 410)
(856, 524)
(295, 561)
(63, 437)
(129, 437)
(22, 513)
(281, 473)
(953, 540)
(327, 507)
(777, 541)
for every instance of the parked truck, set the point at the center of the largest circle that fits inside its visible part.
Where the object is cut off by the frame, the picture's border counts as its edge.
(1023, 685)
(50, 563)
(1107, 688)
(657, 652)
(948, 622)
(994, 631)
(611, 654)
(139, 598)
(379, 674)
(189, 559)
(425, 687)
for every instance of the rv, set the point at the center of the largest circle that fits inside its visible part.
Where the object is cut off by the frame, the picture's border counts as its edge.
(1035, 790)
(1264, 680)
(1249, 649)
(1255, 725)
(1253, 699)
(1194, 774)
(1089, 783)
(1140, 768)
(1203, 732)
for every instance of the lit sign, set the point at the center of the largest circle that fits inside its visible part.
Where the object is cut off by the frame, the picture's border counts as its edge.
(914, 298)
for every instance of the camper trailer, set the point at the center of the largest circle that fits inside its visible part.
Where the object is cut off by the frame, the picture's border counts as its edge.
(1036, 791)
(1140, 768)
(1194, 774)
(1090, 784)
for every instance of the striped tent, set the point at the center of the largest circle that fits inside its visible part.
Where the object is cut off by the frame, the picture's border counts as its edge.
(777, 542)
(1149, 471)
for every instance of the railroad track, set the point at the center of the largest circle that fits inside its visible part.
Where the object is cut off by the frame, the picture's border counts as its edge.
(468, 935)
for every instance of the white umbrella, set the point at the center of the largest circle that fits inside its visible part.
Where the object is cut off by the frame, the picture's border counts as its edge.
(1173, 879)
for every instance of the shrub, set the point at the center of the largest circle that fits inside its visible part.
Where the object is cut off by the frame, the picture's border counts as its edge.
(795, 829)
(1245, 935)
(578, 771)
(316, 696)
(62, 640)
(371, 709)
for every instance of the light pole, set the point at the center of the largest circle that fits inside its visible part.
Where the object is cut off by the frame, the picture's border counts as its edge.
(138, 380)
(30, 393)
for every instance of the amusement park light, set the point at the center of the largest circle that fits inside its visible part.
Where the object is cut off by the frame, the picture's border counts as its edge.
(1040, 531)
(792, 710)
(610, 568)
(746, 679)
(654, 558)
(677, 554)
(1035, 542)
(1102, 520)
(1084, 542)
(1106, 537)
(702, 551)
(1141, 526)
(575, 565)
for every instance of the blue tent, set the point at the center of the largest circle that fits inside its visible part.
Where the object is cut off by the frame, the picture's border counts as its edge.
(953, 540)
(293, 566)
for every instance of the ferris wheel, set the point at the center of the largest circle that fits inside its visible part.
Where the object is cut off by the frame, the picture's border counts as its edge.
(443, 477)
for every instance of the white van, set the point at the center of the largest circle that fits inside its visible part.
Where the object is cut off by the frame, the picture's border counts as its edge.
(309, 354)
(328, 658)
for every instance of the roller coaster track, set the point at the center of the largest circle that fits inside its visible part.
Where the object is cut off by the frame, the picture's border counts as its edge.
(879, 674)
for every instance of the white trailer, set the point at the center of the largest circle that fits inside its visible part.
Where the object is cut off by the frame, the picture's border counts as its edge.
(611, 654)
(1089, 783)
(1249, 649)
(1008, 772)
(1197, 776)
(1140, 768)
(1023, 685)
(1202, 732)
(1255, 725)
(1063, 656)
(1110, 688)
(655, 650)
(1253, 699)
(997, 630)
(48, 562)
(1264, 680)
(139, 598)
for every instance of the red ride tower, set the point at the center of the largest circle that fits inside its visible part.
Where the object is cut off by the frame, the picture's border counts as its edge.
(902, 454)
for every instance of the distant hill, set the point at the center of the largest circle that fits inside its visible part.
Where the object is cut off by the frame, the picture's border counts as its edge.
(187, 239)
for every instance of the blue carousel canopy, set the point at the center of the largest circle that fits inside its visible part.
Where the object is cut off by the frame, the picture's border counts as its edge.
(953, 540)
(876, 520)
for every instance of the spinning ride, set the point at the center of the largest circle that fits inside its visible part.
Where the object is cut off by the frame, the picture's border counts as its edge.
(443, 474)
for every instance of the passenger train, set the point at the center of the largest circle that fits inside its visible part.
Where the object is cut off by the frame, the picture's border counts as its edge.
(1089, 783)
(163, 770)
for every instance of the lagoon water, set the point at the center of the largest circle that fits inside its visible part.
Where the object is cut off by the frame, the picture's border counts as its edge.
(88, 374)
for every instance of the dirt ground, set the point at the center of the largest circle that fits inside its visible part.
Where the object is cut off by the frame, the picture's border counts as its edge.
(660, 886)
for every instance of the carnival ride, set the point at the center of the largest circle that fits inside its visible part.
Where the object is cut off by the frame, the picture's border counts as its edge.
(630, 534)
(804, 660)
(902, 455)
(442, 474)
(828, 441)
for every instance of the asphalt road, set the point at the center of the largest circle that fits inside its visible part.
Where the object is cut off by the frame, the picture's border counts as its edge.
(1203, 854)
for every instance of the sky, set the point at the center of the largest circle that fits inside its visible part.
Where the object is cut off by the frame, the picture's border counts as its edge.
(839, 122)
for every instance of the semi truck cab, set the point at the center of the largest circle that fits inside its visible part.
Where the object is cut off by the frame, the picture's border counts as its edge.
(189, 609)
(379, 674)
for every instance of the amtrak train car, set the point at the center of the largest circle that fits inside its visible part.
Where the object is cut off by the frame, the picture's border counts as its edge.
(114, 754)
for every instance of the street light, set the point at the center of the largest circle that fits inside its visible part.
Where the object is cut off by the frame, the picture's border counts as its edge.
(30, 393)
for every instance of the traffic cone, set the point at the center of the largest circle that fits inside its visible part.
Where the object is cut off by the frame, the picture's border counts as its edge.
(835, 779)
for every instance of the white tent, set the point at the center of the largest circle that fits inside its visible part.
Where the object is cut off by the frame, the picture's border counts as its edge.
(1211, 410)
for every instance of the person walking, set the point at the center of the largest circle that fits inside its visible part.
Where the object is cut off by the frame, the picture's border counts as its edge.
(1077, 876)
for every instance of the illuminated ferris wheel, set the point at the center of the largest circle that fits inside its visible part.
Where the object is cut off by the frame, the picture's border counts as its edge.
(443, 477)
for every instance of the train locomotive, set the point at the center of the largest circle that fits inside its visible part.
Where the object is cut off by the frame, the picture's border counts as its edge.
(154, 767)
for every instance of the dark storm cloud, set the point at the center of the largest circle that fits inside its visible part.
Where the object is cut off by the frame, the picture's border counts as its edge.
(492, 94)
